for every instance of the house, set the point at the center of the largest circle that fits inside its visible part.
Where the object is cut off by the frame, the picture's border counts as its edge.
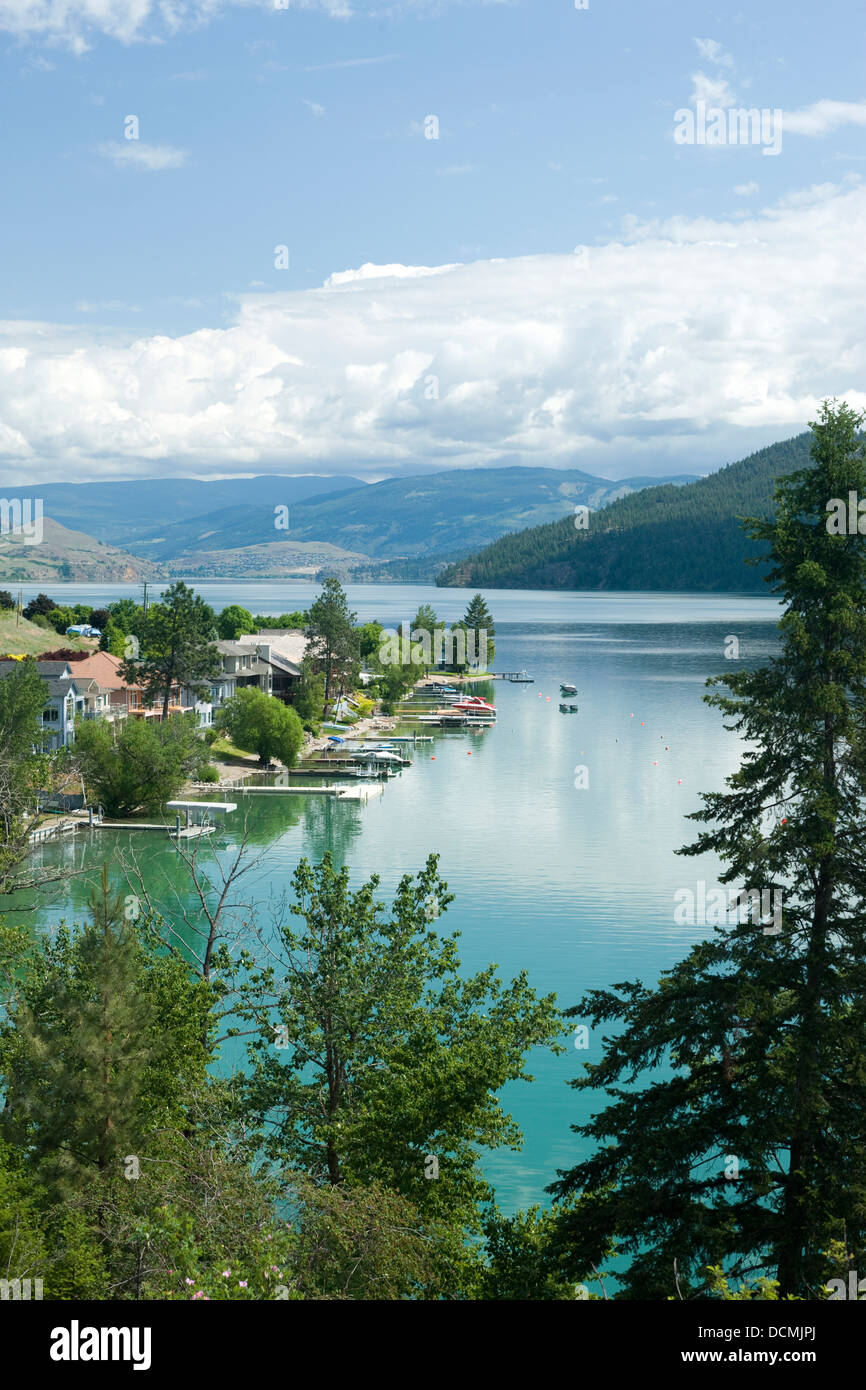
(70, 697)
(124, 698)
(241, 667)
(282, 649)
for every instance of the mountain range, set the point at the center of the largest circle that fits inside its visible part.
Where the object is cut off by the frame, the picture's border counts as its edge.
(399, 529)
(662, 538)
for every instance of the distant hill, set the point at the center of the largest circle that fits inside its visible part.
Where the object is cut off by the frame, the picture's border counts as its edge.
(63, 555)
(661, 538)
(277, 560)
(441, 514)
(118, 511)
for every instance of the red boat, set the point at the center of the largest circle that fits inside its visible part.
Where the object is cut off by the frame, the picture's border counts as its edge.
(473, 704)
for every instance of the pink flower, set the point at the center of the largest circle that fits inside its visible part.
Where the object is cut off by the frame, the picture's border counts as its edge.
(242, 1284)
(226, 1273)
(189, 1281)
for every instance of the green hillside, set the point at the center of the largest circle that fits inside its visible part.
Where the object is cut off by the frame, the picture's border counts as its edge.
(442, 513)
(662, 538)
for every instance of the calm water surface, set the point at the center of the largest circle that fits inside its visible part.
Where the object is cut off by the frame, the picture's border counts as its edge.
(575, 886)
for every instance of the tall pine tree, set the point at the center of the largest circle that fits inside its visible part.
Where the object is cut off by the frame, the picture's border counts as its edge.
(749, 1149)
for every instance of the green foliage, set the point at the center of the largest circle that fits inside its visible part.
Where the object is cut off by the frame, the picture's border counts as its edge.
(391, 1056)
(97, 1034)
(40, 605)
(176, 647)
(22, 699)
(370, 637)
(260, 724)
(234, 621)
(6, 599)
(292, 621)
(523, 1261)
(763, 1030)
(666, 537)
(139, 764)
(209, 773)
(128, 616)
(113, 639)
(332, 643)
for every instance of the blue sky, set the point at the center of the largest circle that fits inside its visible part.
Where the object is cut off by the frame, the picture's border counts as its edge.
(305, 127)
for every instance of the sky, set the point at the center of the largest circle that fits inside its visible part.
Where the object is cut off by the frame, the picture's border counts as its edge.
(378, 239)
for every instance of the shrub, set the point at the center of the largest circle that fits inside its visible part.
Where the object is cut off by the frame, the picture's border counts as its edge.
(209, 773)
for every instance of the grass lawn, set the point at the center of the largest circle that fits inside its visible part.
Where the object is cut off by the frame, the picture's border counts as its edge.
(27, 639)
(224, 748)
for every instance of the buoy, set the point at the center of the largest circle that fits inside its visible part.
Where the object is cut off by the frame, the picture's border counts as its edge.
(679, 781)
(547, 698)
(631, 716)
(469, 754)
(432, 757)
(655, 764)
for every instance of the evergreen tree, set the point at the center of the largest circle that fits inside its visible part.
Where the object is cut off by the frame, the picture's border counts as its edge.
(478, 622)
(332, 642)
(23, 697)
(751, 1153)
(176, 647)
(382, 1064)
(96, 1038)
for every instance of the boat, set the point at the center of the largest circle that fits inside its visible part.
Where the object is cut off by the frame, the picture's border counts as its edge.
(568, 709)
(567, 689)
(473, 704)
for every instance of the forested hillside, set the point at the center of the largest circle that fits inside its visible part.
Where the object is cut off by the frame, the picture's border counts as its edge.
(665, 537)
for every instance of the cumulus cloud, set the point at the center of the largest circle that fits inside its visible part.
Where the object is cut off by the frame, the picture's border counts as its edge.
(135, 154)
(825, 116)
(683, 344)
(75, 23)
(714, 53)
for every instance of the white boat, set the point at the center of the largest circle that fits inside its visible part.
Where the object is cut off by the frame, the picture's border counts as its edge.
(567, 689)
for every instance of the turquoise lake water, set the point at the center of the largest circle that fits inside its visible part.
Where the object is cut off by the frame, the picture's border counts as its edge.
(574, 885)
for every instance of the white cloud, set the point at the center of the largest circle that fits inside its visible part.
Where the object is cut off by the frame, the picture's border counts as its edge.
(824, 116)
(112, 306)
(683, 344)
(135, 154)
(714, 53)
(352, 62)
(314, 106)
(713, 90)
(745, 190)
(75, 23)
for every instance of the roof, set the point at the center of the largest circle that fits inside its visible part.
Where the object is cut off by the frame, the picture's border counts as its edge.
(289, 643)
(59, 689)
(49, 669)
(231, 648)
(105, 668)
(282, 663)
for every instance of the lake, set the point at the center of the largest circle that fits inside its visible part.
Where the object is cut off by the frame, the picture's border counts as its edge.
(574, 884)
